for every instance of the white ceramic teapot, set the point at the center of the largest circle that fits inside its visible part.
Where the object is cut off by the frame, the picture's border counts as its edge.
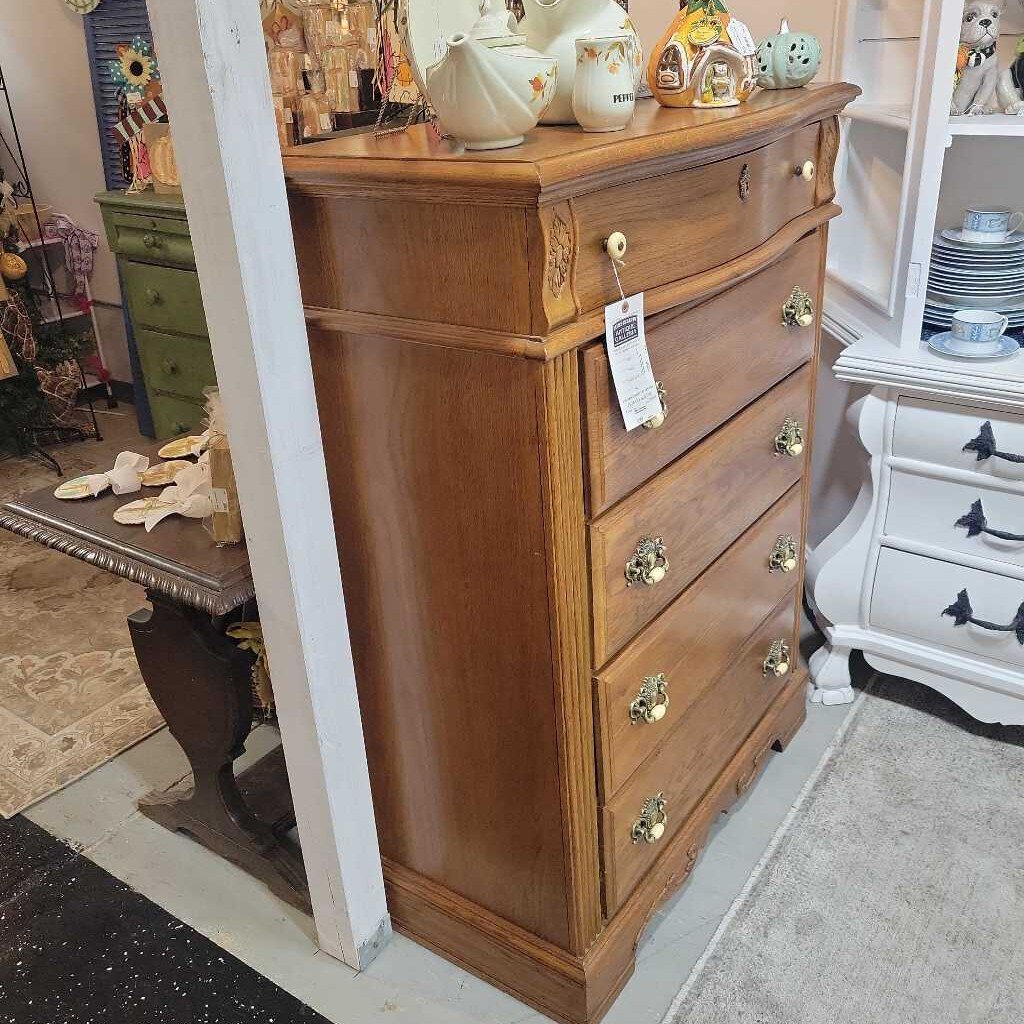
(491, 88)
(553, 26)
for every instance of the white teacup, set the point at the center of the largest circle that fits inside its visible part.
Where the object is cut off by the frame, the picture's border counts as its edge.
(976, 331)
(990, 225)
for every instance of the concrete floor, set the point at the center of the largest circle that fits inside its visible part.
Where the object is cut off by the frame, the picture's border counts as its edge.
(98, 814)
(239, 914)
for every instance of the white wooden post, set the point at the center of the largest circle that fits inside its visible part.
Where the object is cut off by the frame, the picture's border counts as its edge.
(217, 88)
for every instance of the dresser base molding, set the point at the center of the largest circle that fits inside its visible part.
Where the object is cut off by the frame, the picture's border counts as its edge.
(580, 989)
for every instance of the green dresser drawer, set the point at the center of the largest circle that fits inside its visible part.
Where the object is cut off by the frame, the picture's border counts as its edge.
(158, 239)
(174, 416)
(175, 365)
(164, 298)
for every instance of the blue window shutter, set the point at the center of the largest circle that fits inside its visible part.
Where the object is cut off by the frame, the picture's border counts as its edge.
(112, 23)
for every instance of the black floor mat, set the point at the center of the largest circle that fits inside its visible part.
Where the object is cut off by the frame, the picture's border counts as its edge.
(79, 947)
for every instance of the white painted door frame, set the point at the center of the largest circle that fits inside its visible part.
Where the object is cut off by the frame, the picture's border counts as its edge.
(217, 88)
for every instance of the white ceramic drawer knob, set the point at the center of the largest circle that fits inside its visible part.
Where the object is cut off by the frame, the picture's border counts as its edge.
(806, 170)
(650, 826)
(615, 245)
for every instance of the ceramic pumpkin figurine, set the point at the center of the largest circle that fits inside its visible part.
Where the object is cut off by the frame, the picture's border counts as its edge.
(789, 60)
(705, 59)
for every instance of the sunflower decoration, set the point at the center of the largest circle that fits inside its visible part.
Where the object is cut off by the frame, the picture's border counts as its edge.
(136, 71)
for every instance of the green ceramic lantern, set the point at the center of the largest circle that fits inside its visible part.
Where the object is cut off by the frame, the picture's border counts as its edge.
(788, 60)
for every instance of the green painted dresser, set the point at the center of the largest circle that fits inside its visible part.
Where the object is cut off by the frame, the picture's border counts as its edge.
(149, 235)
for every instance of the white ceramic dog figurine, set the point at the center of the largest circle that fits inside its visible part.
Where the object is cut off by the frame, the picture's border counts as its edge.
(1011, 84)
(977, 62)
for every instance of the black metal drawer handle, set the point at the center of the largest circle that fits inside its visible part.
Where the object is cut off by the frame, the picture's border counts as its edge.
(985, 446)
(975, 522)
(961, 612)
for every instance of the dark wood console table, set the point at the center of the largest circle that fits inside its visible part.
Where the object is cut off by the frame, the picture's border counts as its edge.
(197, 677)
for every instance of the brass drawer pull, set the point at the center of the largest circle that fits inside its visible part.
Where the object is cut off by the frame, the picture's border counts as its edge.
(651, 703)
(785, 556)
(151, 241)
(798, 310)
(169, 366)
(746, 181)
(153, 297)
(789, 440)
(658, 421)
(649, 565)
(806, 170)
(777, 663)
(650, 826)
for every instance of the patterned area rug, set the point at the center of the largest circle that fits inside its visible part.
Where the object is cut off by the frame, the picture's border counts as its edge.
(71, 696)
(894, 893)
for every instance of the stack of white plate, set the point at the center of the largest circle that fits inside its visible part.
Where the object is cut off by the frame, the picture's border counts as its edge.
(968, 275)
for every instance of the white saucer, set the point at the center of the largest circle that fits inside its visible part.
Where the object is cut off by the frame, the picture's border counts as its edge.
(957, 235)
(940, 343)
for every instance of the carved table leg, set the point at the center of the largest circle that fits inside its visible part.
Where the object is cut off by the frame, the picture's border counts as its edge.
(201, 683)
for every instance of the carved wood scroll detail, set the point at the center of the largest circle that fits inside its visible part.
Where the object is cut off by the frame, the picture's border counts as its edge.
(829, 146)
(559, 241)
(560, 250)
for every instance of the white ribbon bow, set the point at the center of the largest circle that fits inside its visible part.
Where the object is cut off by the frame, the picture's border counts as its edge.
(124, 478)
(189, 496)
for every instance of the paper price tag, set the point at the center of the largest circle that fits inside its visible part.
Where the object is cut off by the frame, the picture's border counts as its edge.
(630, 361)
(219, 499)
(741, 38)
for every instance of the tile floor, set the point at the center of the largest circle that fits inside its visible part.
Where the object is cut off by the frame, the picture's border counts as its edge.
(240, 915)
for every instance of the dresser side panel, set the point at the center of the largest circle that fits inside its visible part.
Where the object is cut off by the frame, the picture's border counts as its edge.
(438, 486)
(443, 263)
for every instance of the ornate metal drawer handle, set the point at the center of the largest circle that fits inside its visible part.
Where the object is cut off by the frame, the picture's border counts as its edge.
(651, 703)
(985, 446)
(777, 663)
(649, 565)
(790, 439)
(975, 522)
(799, 309)
(658, 421)
(785, 556)
(961, 613)
(650, 826)
(746, 181)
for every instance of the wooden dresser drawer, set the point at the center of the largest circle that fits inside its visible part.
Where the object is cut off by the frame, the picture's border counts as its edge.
(689, 646)
(177, 365)
(691, 513)
(712, 360)
(159, 239)
(175, 416)
(711, 731)
(164, 298)
(684, 223)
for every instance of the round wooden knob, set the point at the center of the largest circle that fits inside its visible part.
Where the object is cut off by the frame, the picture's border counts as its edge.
(169, 366)
(806, 171)
(150, 241)
(615, 245)
(657, 830)
(153, 297)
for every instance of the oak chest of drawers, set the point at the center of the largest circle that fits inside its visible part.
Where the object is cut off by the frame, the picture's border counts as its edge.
(574, 646)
